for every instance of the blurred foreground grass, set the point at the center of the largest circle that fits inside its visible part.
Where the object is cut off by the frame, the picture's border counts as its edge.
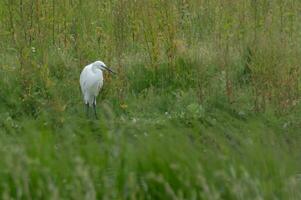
(147, 150)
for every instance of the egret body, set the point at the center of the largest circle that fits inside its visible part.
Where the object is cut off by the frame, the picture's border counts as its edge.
(91, 82)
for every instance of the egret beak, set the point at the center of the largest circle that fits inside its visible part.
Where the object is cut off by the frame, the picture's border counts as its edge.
(109, 70)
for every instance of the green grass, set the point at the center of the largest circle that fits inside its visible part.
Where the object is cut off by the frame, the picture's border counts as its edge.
(162, 146)
(205, 105)
(154, 158)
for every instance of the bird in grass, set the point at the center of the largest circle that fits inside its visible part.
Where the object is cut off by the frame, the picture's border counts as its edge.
(91, 82)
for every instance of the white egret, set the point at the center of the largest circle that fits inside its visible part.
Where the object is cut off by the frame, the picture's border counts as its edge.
(91, 82)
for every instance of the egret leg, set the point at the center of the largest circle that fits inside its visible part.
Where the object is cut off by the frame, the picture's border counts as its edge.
(94, 108)
(87, 109)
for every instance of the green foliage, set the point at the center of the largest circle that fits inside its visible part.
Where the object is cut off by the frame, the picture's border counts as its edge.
(205, 105)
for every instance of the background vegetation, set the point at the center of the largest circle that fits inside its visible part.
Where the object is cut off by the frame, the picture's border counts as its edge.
(206, 103)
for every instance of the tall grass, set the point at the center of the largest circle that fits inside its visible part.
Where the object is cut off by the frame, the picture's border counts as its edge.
(152, 33)
(206, 103)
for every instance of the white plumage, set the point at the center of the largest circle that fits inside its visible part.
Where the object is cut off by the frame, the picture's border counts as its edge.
(91, 82)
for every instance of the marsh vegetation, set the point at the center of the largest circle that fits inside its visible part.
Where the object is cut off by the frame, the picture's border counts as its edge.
(206, 103)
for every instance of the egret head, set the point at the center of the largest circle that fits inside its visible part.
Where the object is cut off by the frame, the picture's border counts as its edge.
(102, 66)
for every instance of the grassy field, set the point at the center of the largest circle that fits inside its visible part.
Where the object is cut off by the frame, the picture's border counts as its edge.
(205, 105)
